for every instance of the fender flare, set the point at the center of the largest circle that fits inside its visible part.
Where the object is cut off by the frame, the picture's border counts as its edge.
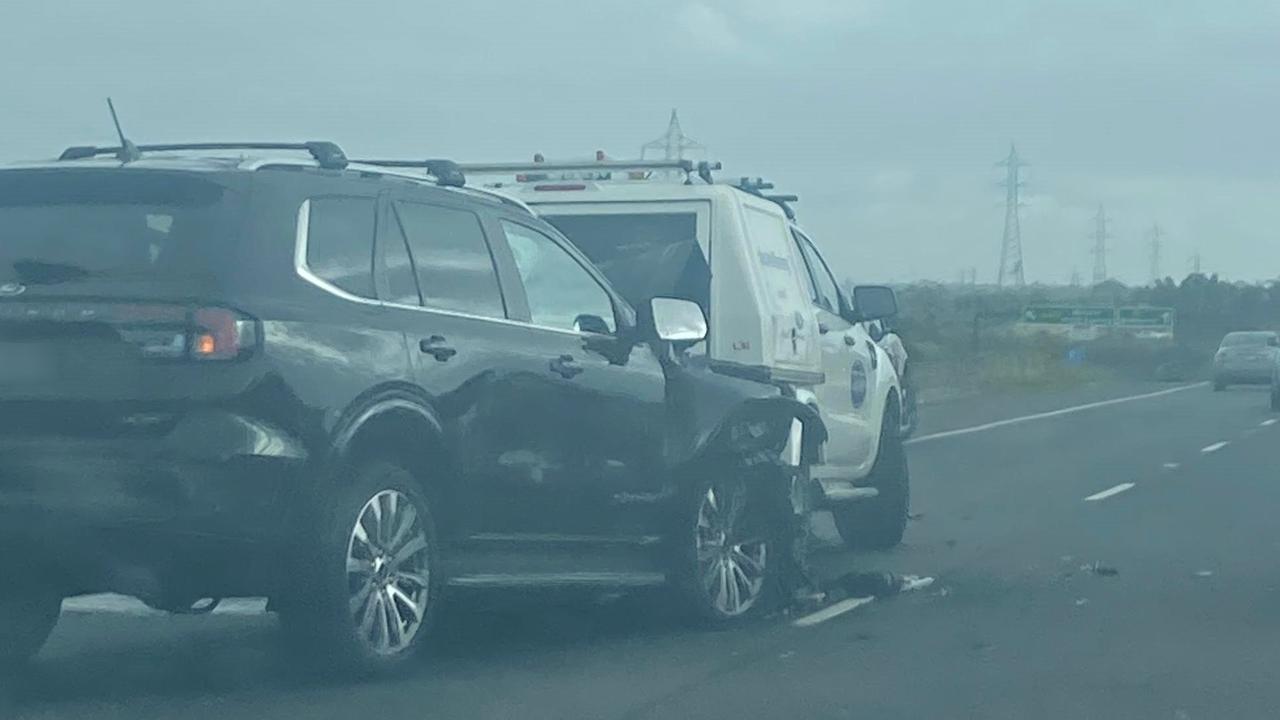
(375, 404)
(779, 411)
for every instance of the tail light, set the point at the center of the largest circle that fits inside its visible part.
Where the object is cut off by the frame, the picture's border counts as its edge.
(221, 334)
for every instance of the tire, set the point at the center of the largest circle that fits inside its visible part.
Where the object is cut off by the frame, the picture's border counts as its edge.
(27, 616)
(880, 523)
(728, 549)
(374, 558)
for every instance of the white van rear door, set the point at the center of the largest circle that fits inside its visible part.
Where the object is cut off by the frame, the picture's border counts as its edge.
(791, 324)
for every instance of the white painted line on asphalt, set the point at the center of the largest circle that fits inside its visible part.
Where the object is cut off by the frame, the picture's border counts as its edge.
(110, 604)
(1215, 447)
(1052, 413)
(1110, 492)
(833, 610)
(1172, 466)
(1267, 423)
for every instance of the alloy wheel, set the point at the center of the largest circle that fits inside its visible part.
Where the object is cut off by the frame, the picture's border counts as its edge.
(388, 572)
(731, 560)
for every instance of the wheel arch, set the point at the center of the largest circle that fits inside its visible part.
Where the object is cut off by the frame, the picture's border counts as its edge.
(399, 424)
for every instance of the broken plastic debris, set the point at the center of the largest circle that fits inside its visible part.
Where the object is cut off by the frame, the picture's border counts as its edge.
(1100, 569)
(914, 582)
(1082, 601)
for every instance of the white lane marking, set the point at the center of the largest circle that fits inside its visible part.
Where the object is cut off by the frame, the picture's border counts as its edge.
(1110, 491)
(1052, 413)
(1215, 447)
(1267, 423)
(110, 604)
(1172, 466)
(834, 610)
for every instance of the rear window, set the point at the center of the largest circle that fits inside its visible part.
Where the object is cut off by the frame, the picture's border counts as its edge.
(60, 226)
(644, 255)
(1247, 338)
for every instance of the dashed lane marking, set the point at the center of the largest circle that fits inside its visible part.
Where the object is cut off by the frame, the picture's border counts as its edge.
(832, 611)
(1215, 447)
(1109, 492)
(1172, 466)
(1052, 413)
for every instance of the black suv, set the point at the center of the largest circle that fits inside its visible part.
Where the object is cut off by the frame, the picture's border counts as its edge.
(346, 387)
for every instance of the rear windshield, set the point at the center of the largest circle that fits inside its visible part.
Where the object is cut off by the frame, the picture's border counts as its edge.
(60, 226)
(1247, 338)
(644, 255)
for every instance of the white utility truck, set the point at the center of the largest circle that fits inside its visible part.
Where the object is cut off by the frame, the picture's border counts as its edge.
(775, 310)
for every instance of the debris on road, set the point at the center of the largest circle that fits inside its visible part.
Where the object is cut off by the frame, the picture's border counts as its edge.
(1204, 573)
(916, 516)
(1098, 568)
(1082, 601)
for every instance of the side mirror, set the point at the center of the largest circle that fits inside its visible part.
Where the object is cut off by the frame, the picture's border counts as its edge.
(677, 320)
(873, 302)
(591, 324)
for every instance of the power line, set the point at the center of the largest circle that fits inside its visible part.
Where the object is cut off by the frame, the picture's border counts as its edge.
(1011, 243)
(1100, 236)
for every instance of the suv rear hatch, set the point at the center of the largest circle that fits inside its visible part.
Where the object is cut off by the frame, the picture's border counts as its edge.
(109, 280)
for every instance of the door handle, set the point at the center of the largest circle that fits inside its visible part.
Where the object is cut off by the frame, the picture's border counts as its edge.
(823, 329)
(848, 340)
(435, 347)
(565, 367)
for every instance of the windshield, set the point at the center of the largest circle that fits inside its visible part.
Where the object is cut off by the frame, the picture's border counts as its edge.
(1249, 339)
(69, 226)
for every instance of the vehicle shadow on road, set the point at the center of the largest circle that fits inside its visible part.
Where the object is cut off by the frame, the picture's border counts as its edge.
(119, 659)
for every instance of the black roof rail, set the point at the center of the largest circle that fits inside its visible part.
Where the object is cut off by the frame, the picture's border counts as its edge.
(327, 154)
(757, 186)
(688, 167)
(446, 172)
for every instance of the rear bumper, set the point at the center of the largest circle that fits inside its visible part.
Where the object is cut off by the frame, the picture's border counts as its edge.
(1243, 374)
(199, 506)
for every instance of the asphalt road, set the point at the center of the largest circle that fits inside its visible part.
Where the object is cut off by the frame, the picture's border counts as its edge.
(1159, 599)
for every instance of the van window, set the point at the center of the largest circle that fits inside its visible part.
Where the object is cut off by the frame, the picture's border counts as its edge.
(340, 242)
(452, 260)
(826, 295)
(644, 255)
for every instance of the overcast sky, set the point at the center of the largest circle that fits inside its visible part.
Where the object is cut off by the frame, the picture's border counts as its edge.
(886, 117)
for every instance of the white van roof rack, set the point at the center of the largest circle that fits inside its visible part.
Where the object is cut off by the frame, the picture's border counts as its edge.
(757, 187)
(703, 168)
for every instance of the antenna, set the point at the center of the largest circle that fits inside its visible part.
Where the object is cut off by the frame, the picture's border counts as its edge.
(128, 151)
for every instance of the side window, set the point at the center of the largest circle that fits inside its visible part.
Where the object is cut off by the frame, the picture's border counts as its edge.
(560, 291)
(452, 259)
(340, 242)
(827, 296)
(808, 273)
(402, 286)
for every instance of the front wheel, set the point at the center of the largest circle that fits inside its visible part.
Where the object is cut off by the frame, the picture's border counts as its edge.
(726, 548)
(27, 616)
(880, 522)
(372, 584)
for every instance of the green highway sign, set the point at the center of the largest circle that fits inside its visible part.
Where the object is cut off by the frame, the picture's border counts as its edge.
(1068, 315)
(1155, 317)
(1099, 316)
